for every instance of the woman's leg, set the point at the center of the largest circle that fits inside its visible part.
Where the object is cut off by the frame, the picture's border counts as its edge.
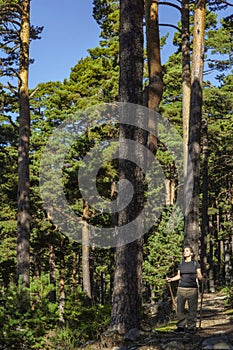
(192, 295)
(181, 314)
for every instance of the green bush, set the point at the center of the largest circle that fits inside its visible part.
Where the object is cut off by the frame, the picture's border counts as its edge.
(39, 327)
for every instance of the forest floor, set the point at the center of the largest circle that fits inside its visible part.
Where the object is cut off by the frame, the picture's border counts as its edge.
(216, 326)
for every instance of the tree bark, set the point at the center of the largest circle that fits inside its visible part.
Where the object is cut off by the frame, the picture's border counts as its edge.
(85, 252)
(154, 90)
(186, 88)
(52, 274)
(127, 290)
(23, 223)
(192, 228)
(205, 218)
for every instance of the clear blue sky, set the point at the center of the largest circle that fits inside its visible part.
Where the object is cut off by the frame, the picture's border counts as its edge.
(69, 31)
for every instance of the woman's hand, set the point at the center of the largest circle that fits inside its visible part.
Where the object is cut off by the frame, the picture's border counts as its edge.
(168, 279)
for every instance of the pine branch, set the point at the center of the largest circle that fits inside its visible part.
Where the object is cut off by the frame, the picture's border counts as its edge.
(170, 4)
(170, 25)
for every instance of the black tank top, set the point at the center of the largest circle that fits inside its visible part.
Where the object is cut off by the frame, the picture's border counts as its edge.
(188, 274)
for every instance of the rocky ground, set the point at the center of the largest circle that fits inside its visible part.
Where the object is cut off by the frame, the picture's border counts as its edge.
(216, 332)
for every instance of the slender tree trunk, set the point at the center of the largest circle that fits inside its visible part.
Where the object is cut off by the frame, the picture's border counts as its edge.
(85, 252)
(23, 223)
(52, 274)
(192, 228)
(205, 218)
(62, 295)
(227, 262)
(127, 291)
(74, 270)
(211, 256)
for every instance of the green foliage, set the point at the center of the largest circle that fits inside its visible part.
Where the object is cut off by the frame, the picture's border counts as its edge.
(39, 326)
(17, 329)
(83, 322)
(162, 254)
(229, 292)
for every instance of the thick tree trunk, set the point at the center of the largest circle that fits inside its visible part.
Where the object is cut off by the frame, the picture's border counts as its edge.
(154, 90)
(23, 223)
(186, 89)
(127, 291)
(192, 228)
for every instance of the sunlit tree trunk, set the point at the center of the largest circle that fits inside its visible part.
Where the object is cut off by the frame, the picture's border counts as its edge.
(154, 90)
(204, 216)
(192, 227)
(85, 252)
(23, 223)
(52, 273)
(153, 54)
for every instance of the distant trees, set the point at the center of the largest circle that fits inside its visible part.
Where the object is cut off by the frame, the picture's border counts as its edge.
(16, 34)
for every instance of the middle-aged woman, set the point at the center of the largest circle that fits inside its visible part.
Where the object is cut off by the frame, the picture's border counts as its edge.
(189, 272)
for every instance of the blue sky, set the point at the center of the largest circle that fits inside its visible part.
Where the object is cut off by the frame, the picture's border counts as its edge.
(69, 31)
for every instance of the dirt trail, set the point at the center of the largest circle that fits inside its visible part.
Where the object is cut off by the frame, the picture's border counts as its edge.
(216, 320)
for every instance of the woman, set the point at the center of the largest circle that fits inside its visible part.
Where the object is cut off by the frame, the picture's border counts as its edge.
(188, 272)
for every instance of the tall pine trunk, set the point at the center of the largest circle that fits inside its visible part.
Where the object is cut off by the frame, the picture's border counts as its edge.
(127, 290)
(52, 274)
(186, 88)
(85, 252)
(192, 227)
(23, 223)
(204, 218)
(155, 89)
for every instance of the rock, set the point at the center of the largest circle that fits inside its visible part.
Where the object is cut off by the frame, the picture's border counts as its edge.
(173, 345)
(217, 343)
(133, 334)
(111, 339)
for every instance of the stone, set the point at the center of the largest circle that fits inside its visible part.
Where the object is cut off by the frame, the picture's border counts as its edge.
(217, 343)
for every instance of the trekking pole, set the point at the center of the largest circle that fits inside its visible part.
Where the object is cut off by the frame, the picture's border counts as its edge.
(172, 296)
(202, 293)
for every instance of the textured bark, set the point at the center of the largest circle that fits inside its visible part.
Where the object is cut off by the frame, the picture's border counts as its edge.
(52, 274)
(204, 219)
(127, 290)
(192, 228)
(211, 257)
(62, 296)
(23, 224)
(186, 88)
(153, 54)
(85, 252)
(155, 88)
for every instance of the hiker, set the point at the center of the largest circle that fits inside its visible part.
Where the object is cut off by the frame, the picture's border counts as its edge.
(189, 272)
